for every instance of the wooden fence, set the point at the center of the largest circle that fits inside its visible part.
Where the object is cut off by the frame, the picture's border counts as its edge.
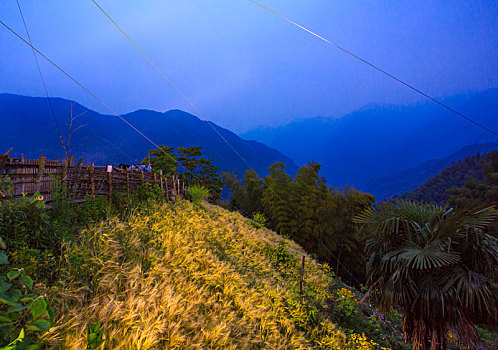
(30, 176)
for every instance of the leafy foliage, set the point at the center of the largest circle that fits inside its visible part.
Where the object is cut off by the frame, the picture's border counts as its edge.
(258, 220)
(189, 163)
(24, 315)
(34, 234)
(308, 211)
(197, 194)
(434, 263)
(5, 186)
(94, 336)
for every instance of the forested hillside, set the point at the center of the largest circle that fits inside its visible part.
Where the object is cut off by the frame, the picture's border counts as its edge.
(401, 182)
(456, 175)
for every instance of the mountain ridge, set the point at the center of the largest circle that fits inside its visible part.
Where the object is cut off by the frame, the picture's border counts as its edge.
(380, 140)
(105, 139)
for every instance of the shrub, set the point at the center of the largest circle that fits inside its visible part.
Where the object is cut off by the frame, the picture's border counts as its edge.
(148, 192)
(196, 194)
(347, 309)
(259, 220)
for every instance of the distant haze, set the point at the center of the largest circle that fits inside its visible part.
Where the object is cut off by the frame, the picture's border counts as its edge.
(244, 67)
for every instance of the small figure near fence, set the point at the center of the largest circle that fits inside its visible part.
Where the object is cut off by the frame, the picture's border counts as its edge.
(141, 167)
(25, 177)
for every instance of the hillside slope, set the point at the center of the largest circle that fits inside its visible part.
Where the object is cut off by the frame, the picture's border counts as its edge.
(103, 139)
(455, 175)
(181, 277)
(380, 140)
(394, 184)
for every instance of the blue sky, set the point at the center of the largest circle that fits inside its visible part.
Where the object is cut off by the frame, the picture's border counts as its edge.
(244, 67)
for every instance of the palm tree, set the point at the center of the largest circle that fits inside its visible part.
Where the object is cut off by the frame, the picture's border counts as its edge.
(434, 264)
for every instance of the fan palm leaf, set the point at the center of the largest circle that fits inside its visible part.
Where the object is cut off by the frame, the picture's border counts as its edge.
(434, 263)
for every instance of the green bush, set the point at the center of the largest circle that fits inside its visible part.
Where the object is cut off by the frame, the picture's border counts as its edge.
(259, 220)
(282, 259)
(34, 234)
(148, 192)
(196, 194)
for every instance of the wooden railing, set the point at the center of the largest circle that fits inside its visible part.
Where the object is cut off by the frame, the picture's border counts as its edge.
(30, 176)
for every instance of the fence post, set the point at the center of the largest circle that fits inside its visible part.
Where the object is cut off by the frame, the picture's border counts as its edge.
(71, 160)
(109, 184)
(174, 187)
(64, 172)
(179, 189)
(127, 184)
(41, 171)
(167, 190)
(92, 181)
(3, 161)
(301, 280)
(161, 179)
(155, 178)
(142, 177)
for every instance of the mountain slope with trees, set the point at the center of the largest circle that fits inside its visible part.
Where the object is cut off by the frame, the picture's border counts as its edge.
(103, 139)
(456, 175)
(399, 183)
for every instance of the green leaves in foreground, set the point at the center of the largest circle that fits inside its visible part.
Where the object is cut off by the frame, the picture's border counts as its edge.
(24, 316)
(94, 333)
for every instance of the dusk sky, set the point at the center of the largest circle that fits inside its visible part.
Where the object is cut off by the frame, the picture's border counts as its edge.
(243, 66)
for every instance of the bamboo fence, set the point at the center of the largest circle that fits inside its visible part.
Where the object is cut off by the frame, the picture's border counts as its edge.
(31, 176)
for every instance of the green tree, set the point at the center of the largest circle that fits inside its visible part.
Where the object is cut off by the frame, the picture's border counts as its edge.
(436, 265)
(276, 198)
(309, 195)
(189, 158)
(253, 188)
(348, 247)
(162, 158)
(207, 175)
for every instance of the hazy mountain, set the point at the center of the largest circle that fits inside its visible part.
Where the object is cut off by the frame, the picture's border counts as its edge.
(381, 140)
(388, 185)
(28, 127)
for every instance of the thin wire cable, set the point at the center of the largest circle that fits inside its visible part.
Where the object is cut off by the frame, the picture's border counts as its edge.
(211, 125)
(43, 81)
(376, 68)
(167, 79)
(102, 102)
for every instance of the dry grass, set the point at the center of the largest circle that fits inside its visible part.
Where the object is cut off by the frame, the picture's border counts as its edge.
(179, 277)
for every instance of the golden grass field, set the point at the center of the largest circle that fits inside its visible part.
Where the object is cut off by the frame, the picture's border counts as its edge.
(183, 277)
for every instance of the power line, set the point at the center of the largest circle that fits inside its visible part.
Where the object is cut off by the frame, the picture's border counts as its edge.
(211, 125)
(43, 81)
(376, 68)
(102, 102)
(167, 79)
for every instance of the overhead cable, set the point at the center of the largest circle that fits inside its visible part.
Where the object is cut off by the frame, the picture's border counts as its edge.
(377, 68)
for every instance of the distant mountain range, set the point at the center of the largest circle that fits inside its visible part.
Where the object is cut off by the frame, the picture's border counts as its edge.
(28, 127)
(380, 140)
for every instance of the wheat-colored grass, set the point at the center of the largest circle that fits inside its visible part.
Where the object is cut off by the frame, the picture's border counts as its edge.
(180, 277)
